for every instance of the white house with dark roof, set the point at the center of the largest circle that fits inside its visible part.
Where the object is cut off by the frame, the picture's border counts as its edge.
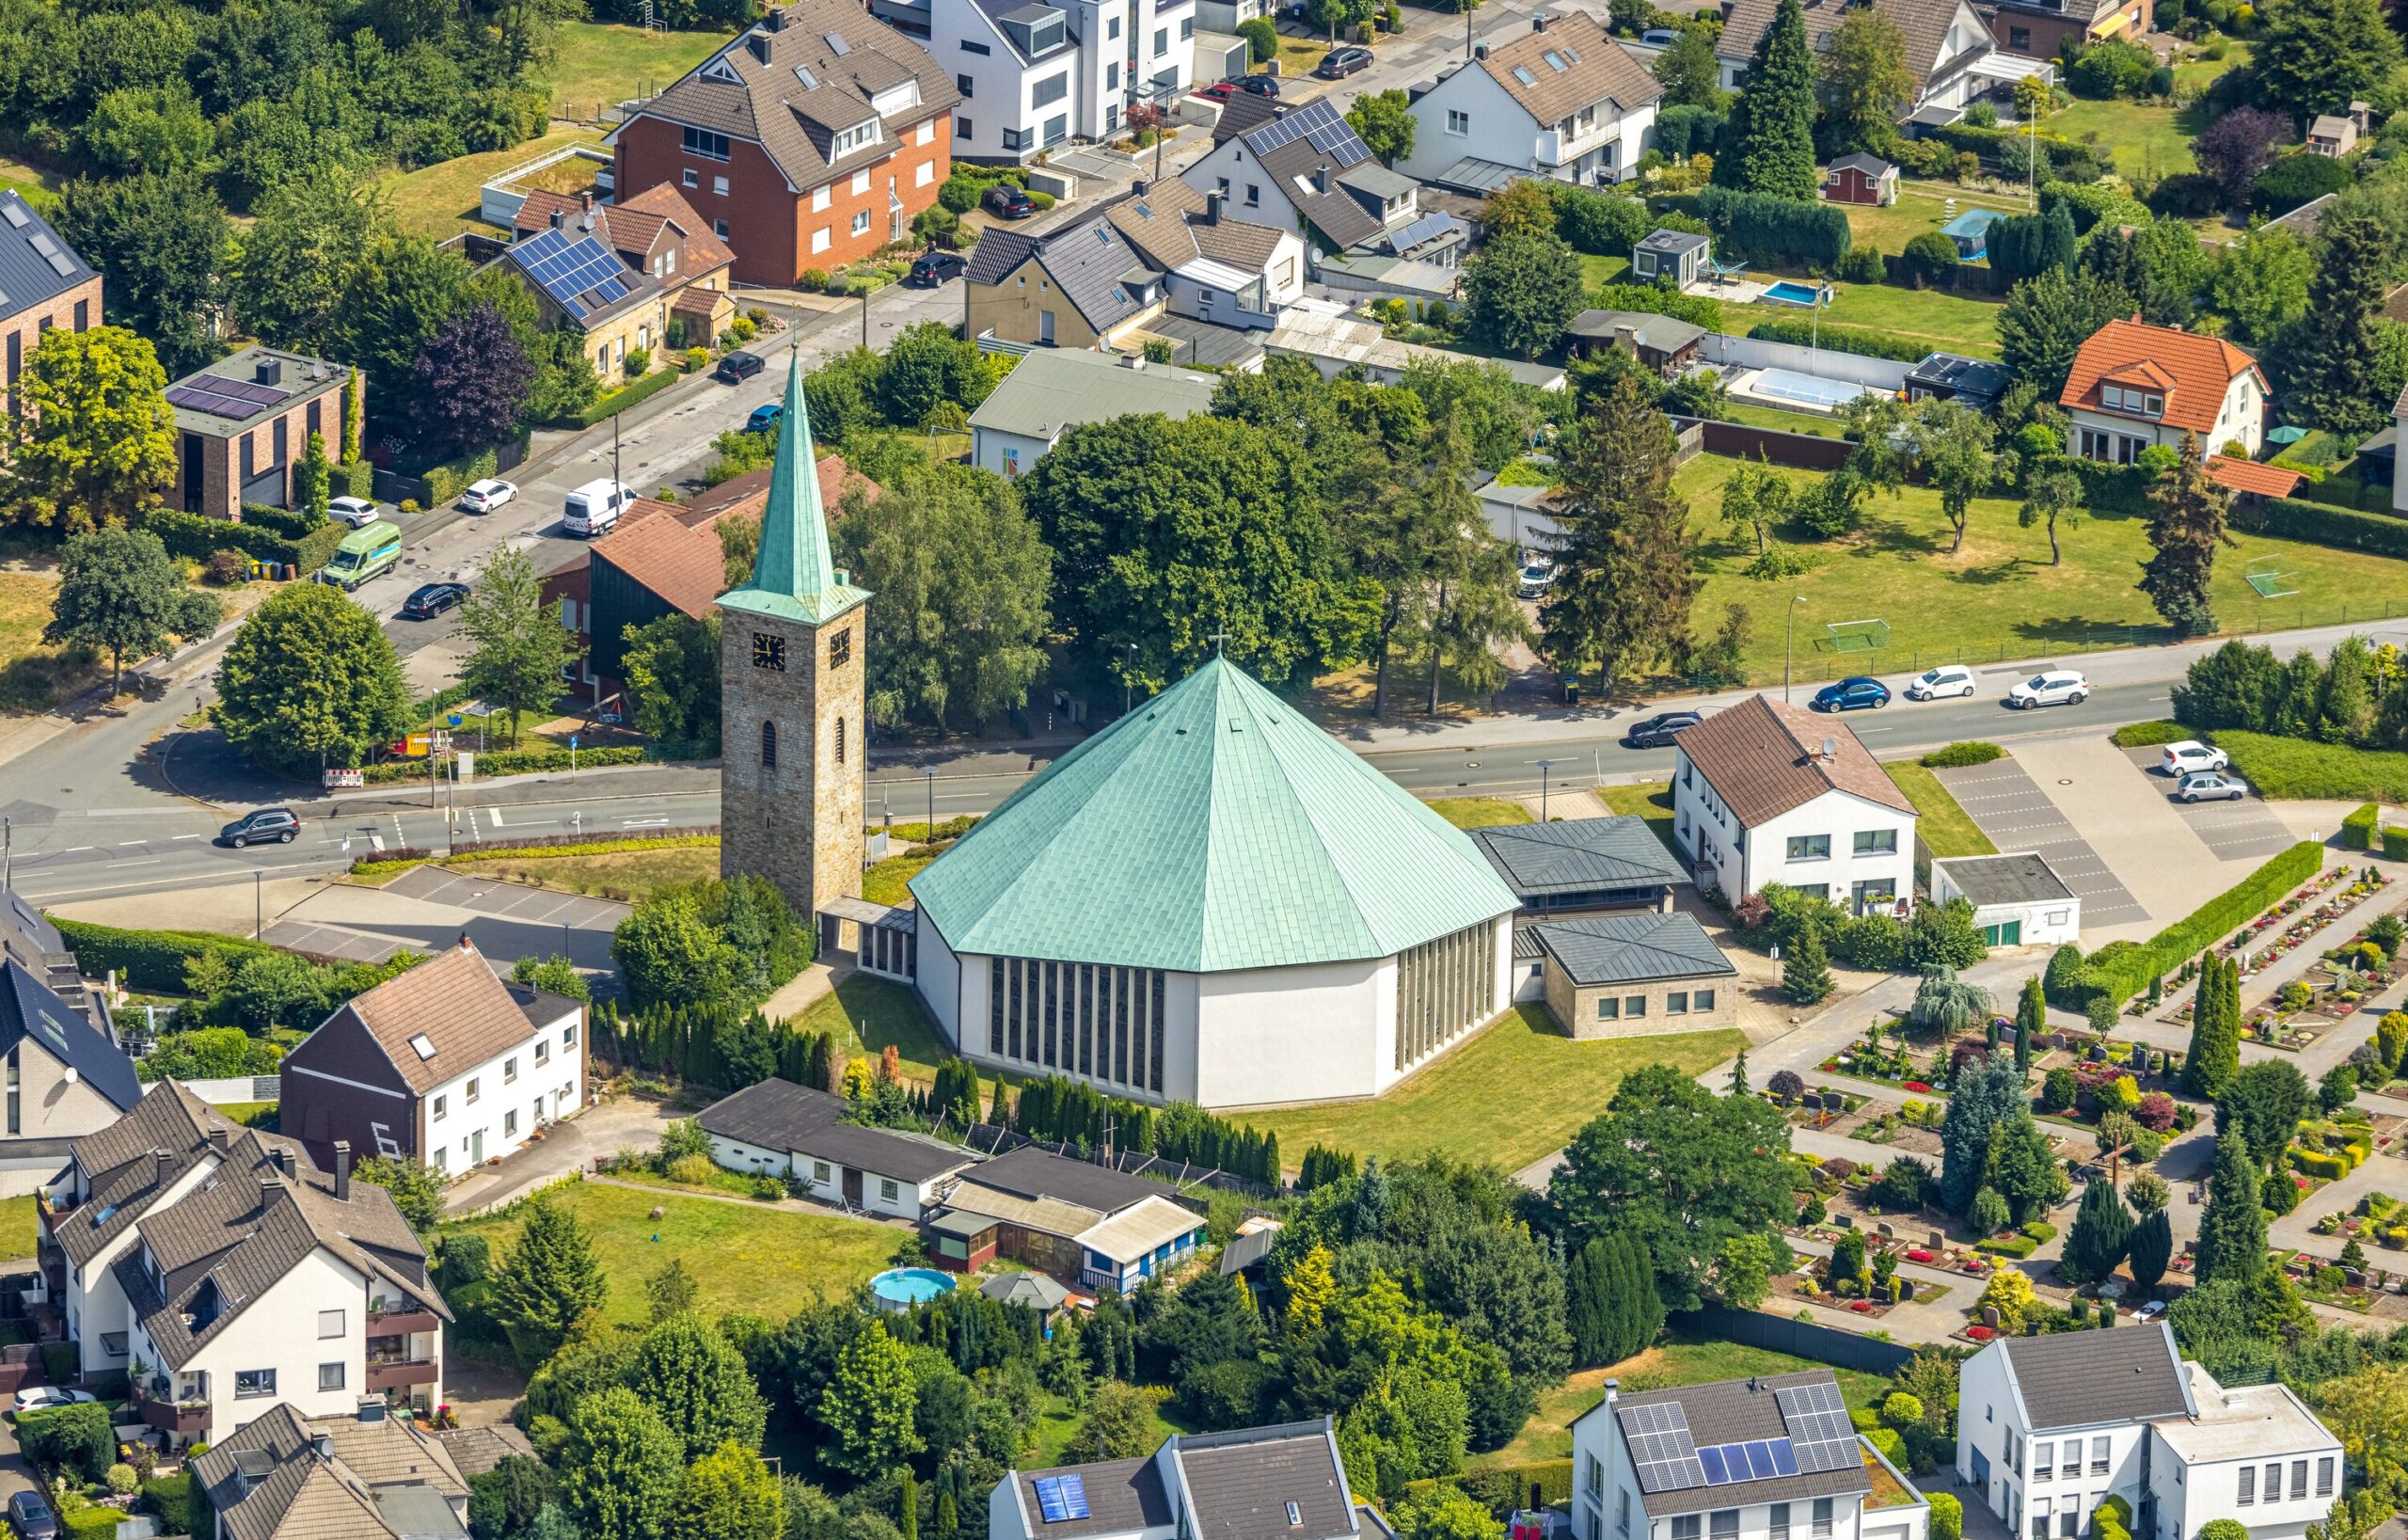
(1765, 792)
(1630, 976)
(1034, 74)
(1279, 1482)
(2051, 1427)
(1564, 102)
(1770, 1458)
(285, 1476)
(1950, 57)
(778, 1128)
(67, 1074)
(1215, 267)
(1300, 166)
(2018, 899)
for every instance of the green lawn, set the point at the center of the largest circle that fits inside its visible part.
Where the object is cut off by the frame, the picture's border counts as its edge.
(1475, 1103)
(883, 882)
(33, 184)
(1597, 270)
(627, 876)
(750, 1257)
(1921, 206)
(1653, 803)
(1943, 824)
(16, 1227)
(1057, 1425)
(1956, 323)
(440, 201)
(2143, 139)
(1756, 415)
(1480, 812)
(596, 64)
(869, 1013)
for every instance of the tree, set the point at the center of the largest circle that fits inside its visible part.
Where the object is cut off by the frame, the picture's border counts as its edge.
(668, 953)
(119, 591)
(1769, 147)
(2102, 1229)
(1947, 1004)
(2232, 1232)
(728, 1494)
(1610, 1301)
(1447, 1513)
(520, 645)
(1676, 1168)
(296, 265)
(2319, 55)
(550, 1283)
(866, 1407)
(670, 1290)
(553, 975)
(620, 1469)
(1522, 289)
(1383, 122)
(2260, 286)
(1333, 14)
(470, 382)
(2048, 317)
(2214, 1055)
(1689, 71)
(2186, 524)
(1120, 1423)
(417, 1191)
(1756, 501)
(2031, 1019)
(160, 241)
(1863, 82)
(1625, 588)
(313, 480)
(310, 676)
(1806, 973)
(92, 438)
(695, 1379)
(2021, 1169)
(2052, 494)
(504, 1500)
(2263, 1102)
(2233, 149)
(1978, 1100)
(2330, 359)
(671, 665)
(2150, 1248)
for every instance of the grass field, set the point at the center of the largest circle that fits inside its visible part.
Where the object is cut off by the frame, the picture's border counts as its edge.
(38, 186)
(744, 1257)
(1758, 416)
(869, 1013)
(1943, 824)
(440, 201)
(1480, 812)
(1475, 1103)
(2144, 140)
(629, 876)
(1653, 803)
(596, 64)
(1957, 323)
(1921, 206)
(16, 1228)
(1598, 270)
(882, 883)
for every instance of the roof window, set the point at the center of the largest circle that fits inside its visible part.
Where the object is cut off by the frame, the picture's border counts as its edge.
(422, 1045)
(1525, 77)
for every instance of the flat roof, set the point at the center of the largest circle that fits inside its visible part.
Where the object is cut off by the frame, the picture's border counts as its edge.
(230, 396)
(2022, 877)
(1053, 391)
(2243, 1423)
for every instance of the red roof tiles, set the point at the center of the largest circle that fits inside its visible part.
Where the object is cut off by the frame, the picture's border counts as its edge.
(2200, 370)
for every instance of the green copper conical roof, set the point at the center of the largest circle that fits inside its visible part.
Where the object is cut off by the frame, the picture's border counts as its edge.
(1212, 828)
(795, 576)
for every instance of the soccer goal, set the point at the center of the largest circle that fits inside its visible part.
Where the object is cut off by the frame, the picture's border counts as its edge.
(1855, 635)
(2265, 576)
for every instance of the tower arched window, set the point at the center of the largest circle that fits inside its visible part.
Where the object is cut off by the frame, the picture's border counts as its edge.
(769, 745)
(840, 740)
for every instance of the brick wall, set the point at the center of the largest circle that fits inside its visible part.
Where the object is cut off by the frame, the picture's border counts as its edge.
(221, 458)
(22, 330)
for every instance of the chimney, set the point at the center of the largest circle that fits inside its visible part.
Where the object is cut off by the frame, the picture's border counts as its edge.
(1613, 1390)
(1133, 360)
(844, 578)
(1320, 179)
(217, 1138)
(342, 1170)
(1138, 188)
(775, 21)
(284, 1159)
(1213, 207)
(1538, 23)
(268, 372)
(166, 1164)
(271, 1193)
(465, 944)
(558, 216)
(757, 45)
(1480, 50)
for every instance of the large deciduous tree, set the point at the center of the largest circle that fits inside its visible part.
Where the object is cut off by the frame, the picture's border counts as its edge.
(867, 1408)
(470, 382)
(550, 1283)
(696, 1380)
(2187, 513)
(518, 644)
(118, 591)
(1863, 83)
(622, 1466)
(1952, 443)
(1522, 289)
(1769, 147)
(670, 666)
(296, 262)
(92, 437)
(1624, 587)
(2232, 150)
(160, 241)
(1383, 122)
(2329, 366)
(310, 680)
(2319, 55)
(1689, 71)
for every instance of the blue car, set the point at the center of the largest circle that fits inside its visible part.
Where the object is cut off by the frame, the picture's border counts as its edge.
(764, 417)
(1848, 695)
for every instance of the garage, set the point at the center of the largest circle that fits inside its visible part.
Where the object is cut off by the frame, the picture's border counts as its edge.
(2018, 899)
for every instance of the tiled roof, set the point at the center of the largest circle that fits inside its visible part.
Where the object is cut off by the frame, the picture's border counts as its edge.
(1054, 390)
(1216, 827)
(745, 496)
(704, 251)
(2199, 369)
(1577, 855)
(2252, 476)
(130, 1164)
(2114, 1376)
(1632, 948)
(1595, 68)
(1085, 261)
(27, 276)
(1923, 24)
(783, 1116)
(267, 1480)
(1764, 757)
(630, 226)
(30, 1009)
(827, 60)
(477, 1449)
(681, 565)
(455, 1003)
(1245, 111)
(1733, 1411)
(1166, 225)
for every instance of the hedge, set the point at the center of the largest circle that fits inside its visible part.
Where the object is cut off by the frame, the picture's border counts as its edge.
(1862, 342)
(2357, 829)
(2148, 734)
(1958, 754)
(619, 401)
(190, 534)
(2318, 1164)
(2121, 970)
(2008, 152)
(2395, 843)
(97, 1522)
(2112, 489)
(150, 961)
(2295, 769)
(511, 762)
(180, 1508)
(294, 523)
(2322, 524)
(395, 859)
(2016, 1246)
(1500, 1488)
(1776, 230)
(72, 1439)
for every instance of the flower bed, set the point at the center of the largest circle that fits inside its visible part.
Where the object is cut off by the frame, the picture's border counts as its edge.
(2308, 911)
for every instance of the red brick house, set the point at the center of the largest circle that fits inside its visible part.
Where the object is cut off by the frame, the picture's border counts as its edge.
(242, 426)
(43, 285)
(808, 141)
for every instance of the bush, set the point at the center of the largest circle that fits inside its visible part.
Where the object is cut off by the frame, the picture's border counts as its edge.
(152, 961)
(2296, 179)
(1856, 339)
(195, 537)
(2016, 1246)
(1262, 34)
(1893, 1448)
(1930, 258)
(2186, 195)
(2063, 976)
(2058, 1090)
(616, 402)
(2395, 843)
(1957, 754)
(2149, 734)
(2318, 524)
(2112, 67)
(173, 1499)
(225, 568)
(2357, 829)
(1600, 223)
(1863, 264)
(1775, 231)
(2316, 1162)
(77, 1440)
(1683, 132)
(1947, 1516)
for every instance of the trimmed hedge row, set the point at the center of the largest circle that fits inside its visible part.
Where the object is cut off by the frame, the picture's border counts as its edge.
(2395, 843)
(190, 534)
(2122, 969)
(2294, 769)
(2149, 734)
(2357, 829)
(1864, 343)
(1776, 230)
(1958, 754)
(2008, 151)
(511, 762)
(2321, 524)
(150, 961)
(616, 402)
(1503, 1487)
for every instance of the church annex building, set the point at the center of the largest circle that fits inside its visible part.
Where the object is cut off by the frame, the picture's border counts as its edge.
(1212, 900)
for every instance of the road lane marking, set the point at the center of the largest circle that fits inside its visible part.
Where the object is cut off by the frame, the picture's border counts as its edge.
(151, 861)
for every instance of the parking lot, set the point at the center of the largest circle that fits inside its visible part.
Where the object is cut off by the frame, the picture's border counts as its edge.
(428, 909)
(2018, 816)
(2243, 831)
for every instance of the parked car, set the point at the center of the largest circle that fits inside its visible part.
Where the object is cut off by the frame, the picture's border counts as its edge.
(1948, 679)
(1538, 575)
(258, 826)
(38, 1398)
(2211, 786)
(1257, 85)
(1659, 37)
(431, 599)
(2190, 755)
(737, 367)
(1005, 201)
(31, 1518)
(2149, 1312)
(356, 512)
(1852, 693)
(765, 418)
(1660, 731)
(1220, 91)
(2058, 688)
(1340, 62)
(931, 268)
(485, 496)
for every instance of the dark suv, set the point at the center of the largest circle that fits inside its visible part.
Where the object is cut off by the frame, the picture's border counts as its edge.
(1005, 201)
(737, 367)
(931, 268)
(1661, 732)
(257, 828)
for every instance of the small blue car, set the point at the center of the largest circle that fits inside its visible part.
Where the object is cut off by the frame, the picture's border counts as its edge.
(764, 417)
(1848, 695)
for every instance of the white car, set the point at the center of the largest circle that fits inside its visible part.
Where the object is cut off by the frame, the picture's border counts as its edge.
(2209, 785)
(1537, 577)
(356, 512)
(1948, 679)
(42, 1398)
(2149, 1312)
(487, 496)
(2060, 689)
(2190, 755)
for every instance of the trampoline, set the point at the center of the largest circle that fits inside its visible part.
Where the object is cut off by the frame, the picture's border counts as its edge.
(1814, 394)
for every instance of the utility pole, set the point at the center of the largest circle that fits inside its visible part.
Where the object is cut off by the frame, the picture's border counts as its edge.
(932, 773)
(259, 906)
(1544, 767)
(1788, 641)
(614, 449)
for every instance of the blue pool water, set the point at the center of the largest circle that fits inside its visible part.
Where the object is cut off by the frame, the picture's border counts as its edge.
(1786, 293)
(900, 1288)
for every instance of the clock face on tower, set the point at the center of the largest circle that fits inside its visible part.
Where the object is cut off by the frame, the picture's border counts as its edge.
(769, 652)
(840, 649)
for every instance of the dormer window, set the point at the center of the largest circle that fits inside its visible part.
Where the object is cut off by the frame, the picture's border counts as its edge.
(2132, 398)
(848, 140)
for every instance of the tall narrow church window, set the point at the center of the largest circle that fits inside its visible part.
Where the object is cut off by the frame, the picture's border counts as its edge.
(769, 652)
(840, 740)
(840, 649)
(769, 745)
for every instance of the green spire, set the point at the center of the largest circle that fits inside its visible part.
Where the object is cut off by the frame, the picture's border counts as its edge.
(794, 574)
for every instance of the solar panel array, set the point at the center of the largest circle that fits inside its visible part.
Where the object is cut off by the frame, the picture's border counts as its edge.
(582, 274)
(1428, 226)
(233, 399)
(1757, 1459)
(1658, 1434)
(1819, 1430)
(1061, 1497)
(1318, 125)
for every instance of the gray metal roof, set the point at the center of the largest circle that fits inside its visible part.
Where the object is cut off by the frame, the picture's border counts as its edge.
(2075, 1379)
(1733, 1411)
(28, 277)
(1241, 1483)
(1034, 1173)
(1378, 180)
(1872, 165)
(2024, 878)
(781, 1114)
(1632, 948)
(1671, 240)
(1051, 391)
(1244, 1251)
(1954, 372)
(1034, 1290)
(1577, 855)
(1663, 333)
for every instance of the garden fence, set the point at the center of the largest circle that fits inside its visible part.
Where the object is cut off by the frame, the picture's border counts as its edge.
(1799, 1339)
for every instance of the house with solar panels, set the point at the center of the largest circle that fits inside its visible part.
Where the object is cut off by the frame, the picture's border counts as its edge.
(1278, 1483)
(43, 285)
(1770, 1458)
(243, 428)
(580, 283)
(1302, 166)
(1563, 101)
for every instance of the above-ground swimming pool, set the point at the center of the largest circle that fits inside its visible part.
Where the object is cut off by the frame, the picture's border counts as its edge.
(1800, 393)
(898, 1289)
(1787, 292)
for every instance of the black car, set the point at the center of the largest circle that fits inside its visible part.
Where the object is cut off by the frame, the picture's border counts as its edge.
(261, 826)
(737, 367)
(31, 1518)
(1340, 62)
(1005, 201)
(932, 268)
(431, 599)
(1659, 731)
(1258, 84)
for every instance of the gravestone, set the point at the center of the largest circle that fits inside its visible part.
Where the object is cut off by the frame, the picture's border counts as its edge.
(2352, 1278)
(1844, 1221)
(1934, 1240)
(1990, 1316)
(1886, 1232)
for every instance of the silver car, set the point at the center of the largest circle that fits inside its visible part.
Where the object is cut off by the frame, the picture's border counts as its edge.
(356, 512)
(2210, 785)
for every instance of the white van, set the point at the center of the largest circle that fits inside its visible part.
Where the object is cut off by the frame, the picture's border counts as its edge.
(594, 508)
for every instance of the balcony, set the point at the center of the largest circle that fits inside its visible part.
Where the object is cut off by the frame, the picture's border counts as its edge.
(399, 1373)
(402, 1320)
(178, 1419)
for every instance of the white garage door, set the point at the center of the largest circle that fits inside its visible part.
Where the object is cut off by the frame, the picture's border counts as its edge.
(1893, 1532)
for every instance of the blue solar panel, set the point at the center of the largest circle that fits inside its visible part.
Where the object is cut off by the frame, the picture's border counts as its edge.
(1061, 1497)
(1429, 227)
(578, 272)
(1716, 1472)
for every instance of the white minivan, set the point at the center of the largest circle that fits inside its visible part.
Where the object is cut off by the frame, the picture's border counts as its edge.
(594, 507)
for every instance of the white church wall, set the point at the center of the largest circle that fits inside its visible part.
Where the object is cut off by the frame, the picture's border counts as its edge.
(945, 987)
(1300, 1034)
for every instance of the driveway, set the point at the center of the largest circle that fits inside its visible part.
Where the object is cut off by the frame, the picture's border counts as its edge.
(2018, 816)
(623, 1122)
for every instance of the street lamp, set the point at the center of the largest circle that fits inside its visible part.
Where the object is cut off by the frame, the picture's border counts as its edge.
(932, 773)
(1544, 766)
(1788, 641)
(1127, 678)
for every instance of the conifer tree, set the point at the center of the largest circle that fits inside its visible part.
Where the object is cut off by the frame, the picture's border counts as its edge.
(2215, 1056)
(2232, 1232)
(1624, 599)
(1806, 974)
(2150, 1248)
(2333, 360)
(2102, 1229)
(2031, 1019)
(2186, 524)
(1770, 139)
(551, 1283)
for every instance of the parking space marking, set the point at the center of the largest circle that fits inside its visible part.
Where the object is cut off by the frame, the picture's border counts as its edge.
(2016, 815)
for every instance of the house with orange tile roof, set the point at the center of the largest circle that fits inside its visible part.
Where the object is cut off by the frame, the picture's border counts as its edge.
(2135, 387)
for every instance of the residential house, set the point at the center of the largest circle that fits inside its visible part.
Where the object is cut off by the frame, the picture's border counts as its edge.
(1335, 342)
(1628, 976)
(2041, 29)
(580, 284)
(1280, 1483)
(657, 232)
(1049, 393)
(67, 1075)
(1300, 166)
(1563, 101)
(810, 140)
(2049, 1428)
(1860, 179)
(284, 1476)
(1765, 792)
(1570, 865)
(2136, 385)
(1216, 268)
(43, 285)
(1089, 1224)
(1675, 256)
(1947, 56)
(1225, 16)
(1664, 343)
(1950, 376)
(1032, 75)
(2332, 137)
(196, 1257)
(445, 1063)
(1084, 287)
(1774, 1455)
(2018, 899)
(777, 1128)
(1971, 231)
(243, 428)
